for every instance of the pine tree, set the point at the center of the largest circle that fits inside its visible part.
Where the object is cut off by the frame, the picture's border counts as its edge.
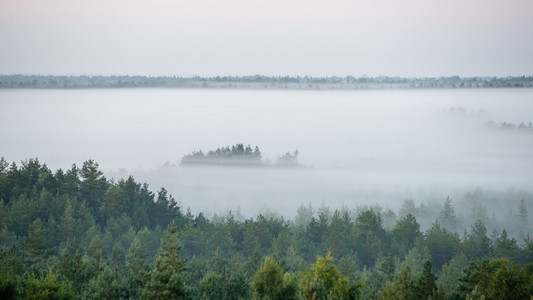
(447, 218)
(442, 244)
(405, 283)
(166, 280)
(369, 233)
(93, 186)
(106, 285)
(36, 244)
(405, 234)
(505, 247)
(477, 244)
(68, 223)
(426, 285)
(137, 266)
(71, 265)
(523, 213)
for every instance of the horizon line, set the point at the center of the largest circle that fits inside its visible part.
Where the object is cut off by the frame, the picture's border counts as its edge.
(267, 76)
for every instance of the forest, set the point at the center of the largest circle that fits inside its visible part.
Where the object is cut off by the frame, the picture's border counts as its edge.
(75, 234)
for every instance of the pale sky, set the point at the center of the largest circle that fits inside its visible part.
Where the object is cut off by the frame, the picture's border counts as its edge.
(245, 37)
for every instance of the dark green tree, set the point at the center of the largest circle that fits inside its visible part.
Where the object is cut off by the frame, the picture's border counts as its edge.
(72, 267)
(36, 243)
(442, 245)
(401, 288)
(426, 286)
(505, 247)
(166, 280)
(69, 182)
(105, 285)
(338, 231)
(477, 244)
(137, 267)
(369, 233)
(496, 279)
(405, 234)
(211, 287)
(93, 187)
(68, 224)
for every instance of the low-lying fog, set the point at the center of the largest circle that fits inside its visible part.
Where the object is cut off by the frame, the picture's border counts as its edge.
(356, 147)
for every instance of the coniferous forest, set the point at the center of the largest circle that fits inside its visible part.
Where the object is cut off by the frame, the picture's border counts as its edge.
(71, 234)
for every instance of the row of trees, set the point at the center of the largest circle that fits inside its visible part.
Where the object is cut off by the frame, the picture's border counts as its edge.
(510, 126)
(260, 81)
(78, 235)
(237, 155)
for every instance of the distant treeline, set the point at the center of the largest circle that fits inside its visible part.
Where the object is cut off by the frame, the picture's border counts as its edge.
(260, 82)
(506, 126)
(511, 126)
(238, 155)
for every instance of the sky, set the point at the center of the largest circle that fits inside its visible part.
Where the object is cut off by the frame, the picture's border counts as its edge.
(411, 38)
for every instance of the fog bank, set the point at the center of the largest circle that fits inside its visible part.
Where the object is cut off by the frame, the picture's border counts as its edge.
(355, 147)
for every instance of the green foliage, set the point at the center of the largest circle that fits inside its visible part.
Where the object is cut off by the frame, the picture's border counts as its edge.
(348, 266)
(92, 187)
(323, 280)
(369, 233)
(505, 247)
(166, 280)
(496, 279)
(48, 287)
(105, 285)
(314, 289)
(448, 280)
(270, 282)
(101, 239)
(401, 288)
(390, 292)
(137, 267)
(477, 244)
(211, 287)
(9, 287)
(36, 243)
(442, 245)
(405, 234)
(387, 267)
(228, 286)
(426, 286)
(338, 234)
(72, 267)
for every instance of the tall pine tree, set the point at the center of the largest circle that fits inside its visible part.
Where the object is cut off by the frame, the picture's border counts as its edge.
(166, 280)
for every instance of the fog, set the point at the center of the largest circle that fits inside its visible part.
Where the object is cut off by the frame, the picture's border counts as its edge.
(356, 147)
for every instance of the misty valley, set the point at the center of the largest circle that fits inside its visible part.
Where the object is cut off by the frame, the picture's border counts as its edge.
(266, 194)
